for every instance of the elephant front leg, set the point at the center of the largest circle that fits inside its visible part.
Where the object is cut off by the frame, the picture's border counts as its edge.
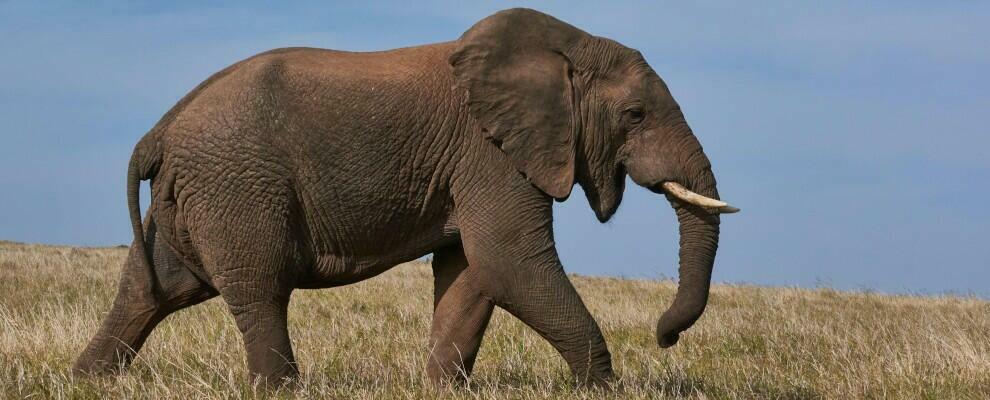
(544, 299)
(460, 317)
(512, 252)
(529, 282)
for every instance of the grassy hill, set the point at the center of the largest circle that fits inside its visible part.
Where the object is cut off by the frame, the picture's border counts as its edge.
(369, 340)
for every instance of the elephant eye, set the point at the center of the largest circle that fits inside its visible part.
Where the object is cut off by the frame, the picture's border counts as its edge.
(635, 115)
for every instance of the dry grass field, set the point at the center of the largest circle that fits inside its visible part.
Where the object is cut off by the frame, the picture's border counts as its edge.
(369, 341)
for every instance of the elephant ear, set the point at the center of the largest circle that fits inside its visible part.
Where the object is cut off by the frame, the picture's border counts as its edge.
(518, 81)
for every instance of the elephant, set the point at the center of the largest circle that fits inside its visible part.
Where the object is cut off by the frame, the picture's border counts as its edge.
(303, 168)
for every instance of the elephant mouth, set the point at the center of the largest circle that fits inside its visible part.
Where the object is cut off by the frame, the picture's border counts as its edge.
(684, 195)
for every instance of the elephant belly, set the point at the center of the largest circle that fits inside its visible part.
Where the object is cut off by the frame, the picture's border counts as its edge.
(329, 269)
(357, 231)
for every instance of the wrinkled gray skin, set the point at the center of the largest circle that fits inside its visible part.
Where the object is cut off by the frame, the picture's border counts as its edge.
(311, 168)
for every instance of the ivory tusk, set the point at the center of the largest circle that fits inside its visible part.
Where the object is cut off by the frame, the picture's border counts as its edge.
(687, 196)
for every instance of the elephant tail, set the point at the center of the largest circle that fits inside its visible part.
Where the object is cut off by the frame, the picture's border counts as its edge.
(145, 162)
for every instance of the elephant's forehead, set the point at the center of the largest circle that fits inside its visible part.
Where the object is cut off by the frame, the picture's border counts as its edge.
(639, 84)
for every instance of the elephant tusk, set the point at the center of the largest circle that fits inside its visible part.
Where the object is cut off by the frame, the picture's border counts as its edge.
(680, 192)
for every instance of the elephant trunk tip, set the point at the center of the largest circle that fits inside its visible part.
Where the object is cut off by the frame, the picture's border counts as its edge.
(675, 321)
(667, 336)
(667, 340)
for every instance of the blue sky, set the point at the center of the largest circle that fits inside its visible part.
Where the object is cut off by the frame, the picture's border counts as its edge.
(854, 136)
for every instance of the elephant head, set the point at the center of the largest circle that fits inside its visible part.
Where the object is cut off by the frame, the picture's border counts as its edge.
(567, 107)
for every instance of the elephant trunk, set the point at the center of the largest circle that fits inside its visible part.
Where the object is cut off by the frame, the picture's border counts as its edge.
(699, 229)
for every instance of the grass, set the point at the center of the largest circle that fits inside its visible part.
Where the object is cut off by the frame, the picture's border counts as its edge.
(369, 340)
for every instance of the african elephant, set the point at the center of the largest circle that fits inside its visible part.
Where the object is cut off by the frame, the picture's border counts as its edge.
(313, 168)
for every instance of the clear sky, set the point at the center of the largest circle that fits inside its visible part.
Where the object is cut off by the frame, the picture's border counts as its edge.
(854, 136)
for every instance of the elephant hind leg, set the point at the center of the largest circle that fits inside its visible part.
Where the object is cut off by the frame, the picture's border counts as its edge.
(262, 318)
(255, 275)
(460, 317)
(133, 316)
(259, 305)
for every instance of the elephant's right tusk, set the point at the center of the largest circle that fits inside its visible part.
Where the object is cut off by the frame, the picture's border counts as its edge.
(687, 196)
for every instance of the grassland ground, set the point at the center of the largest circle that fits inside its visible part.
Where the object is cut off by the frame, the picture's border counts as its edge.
(369, 340)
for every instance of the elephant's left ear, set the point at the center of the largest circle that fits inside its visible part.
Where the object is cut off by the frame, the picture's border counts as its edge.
(518, 81)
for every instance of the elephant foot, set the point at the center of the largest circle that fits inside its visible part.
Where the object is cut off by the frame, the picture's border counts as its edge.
(603, 381)
(443, 378)
(87, 368)
(286, 380)
(116, 344)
